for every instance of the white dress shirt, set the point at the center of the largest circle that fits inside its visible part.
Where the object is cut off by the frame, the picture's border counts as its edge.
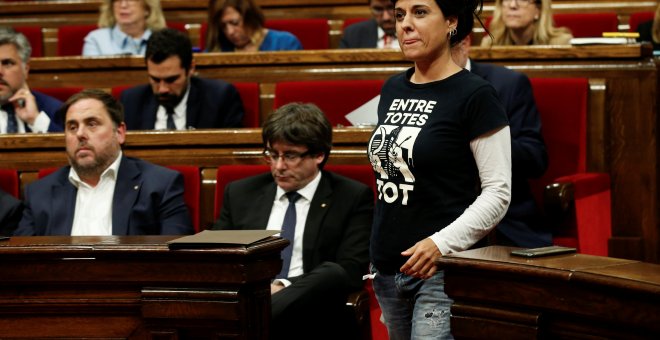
(391, 42)
(179, 114)
(93, 213)
(276, 218)
(40, 124)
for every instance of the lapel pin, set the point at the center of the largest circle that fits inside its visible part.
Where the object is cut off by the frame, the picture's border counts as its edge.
(135, 187)
(323, 205)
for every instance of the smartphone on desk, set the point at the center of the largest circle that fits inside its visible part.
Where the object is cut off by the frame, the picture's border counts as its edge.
(543, 251)
(4, 238)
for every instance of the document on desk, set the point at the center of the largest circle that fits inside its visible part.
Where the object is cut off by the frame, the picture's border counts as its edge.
(220, 238)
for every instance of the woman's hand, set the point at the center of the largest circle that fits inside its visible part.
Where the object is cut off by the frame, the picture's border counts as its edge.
(421, 263)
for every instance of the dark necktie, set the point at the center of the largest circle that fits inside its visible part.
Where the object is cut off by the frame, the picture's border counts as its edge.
(12, 127)
(170, 118)
(288, 232)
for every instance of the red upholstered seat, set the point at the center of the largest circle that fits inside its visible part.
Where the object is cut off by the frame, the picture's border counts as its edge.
(314, 34)
(588, 24)
(35, 37)
(117, 90)
(61, 93)
(70, 39)
(192, 187)
(9, 182)
(638, 18)
(336, 98)
(249, 93)
(563, 105)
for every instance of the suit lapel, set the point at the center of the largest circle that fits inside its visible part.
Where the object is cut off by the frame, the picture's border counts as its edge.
(317, 209)
(265, 199)
(64, 207)
(372, 37)
(151, 112)
(127, 189)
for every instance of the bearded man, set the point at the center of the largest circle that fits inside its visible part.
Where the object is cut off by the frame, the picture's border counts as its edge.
(103, 192)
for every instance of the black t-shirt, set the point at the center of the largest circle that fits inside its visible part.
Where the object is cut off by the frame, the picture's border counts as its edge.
(425, 171)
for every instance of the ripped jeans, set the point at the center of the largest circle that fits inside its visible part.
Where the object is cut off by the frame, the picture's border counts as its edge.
(413, 308)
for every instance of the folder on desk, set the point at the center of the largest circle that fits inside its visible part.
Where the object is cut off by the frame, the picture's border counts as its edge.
(220, 238)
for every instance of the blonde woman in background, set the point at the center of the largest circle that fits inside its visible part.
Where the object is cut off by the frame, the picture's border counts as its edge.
(525, 22)
(125, 27)
(650, 30)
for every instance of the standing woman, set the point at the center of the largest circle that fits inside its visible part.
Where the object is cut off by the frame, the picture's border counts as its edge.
(238, 25)
(525, 22)
(125, 27)
(442, 157)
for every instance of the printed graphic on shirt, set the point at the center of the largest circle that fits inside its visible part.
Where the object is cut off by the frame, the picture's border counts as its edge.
(391, 148)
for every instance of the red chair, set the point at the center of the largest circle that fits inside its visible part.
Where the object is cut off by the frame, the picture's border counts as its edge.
(588, 24)
(191, 183)
(35, 37)
(638, 18)
(314, 34)
(586, 222)
(192, 187)
(336, 98)
(249, 93)
(117, 90)
(61, 93)
(70, 39)
(9, 182)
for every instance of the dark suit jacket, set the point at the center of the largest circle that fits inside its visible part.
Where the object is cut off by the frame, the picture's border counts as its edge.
(363, 34)
(10, 213)
(211, 104)
(148, 200)
(644, 29)
(522, 223)
(48, 105)
(337, 229)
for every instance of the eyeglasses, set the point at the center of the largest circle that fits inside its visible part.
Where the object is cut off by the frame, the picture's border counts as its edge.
(379, 10)
(290, 158)
(521, 3)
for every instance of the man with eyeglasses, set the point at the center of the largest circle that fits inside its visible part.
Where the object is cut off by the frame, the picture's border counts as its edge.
(329, 250)
(377, 32)
(174, 99)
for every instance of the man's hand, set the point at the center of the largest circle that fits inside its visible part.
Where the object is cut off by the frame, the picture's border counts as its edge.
(421, 263)
(275, 287)
(25, 105)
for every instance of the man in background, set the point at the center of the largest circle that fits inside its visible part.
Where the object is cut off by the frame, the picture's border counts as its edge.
(22, 110)
(326, 217)
(103, 192)
(377, 32)
(522, 226)
(175, 99)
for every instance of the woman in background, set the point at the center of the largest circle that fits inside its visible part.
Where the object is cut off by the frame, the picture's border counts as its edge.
(125, 27)
(525, 22)
(650, 30)
(238, 25)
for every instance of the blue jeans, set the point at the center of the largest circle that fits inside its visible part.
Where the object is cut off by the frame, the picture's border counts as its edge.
(413, 308)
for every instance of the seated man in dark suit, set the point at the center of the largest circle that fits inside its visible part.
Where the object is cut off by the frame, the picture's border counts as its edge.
(103, 192)
(22, 110)
(175, 99)
(377, 32)
(326, 217)
(522, 225)
(11, 209)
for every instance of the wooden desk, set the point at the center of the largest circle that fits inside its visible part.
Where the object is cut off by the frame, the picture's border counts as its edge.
(133, 287)
(556, 297)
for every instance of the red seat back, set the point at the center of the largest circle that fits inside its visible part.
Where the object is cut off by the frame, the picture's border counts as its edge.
(70, 39)
(230, 173)
(314, 34)
(9, 182)
(588, 24)
(61, 93)
(35, 37)
(562, 103)
(249, 93)
(336, 98)
(192, 191)
(638, 18)
(117, 90)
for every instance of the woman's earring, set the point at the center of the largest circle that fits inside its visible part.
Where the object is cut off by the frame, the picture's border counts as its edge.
(453, 31)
